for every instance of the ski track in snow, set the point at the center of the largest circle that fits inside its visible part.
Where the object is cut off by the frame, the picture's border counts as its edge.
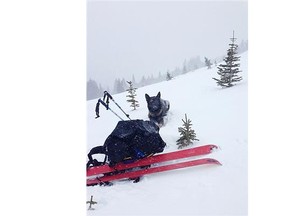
(219, 116)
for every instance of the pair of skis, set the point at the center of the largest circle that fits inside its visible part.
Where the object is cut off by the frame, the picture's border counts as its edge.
(103, 174)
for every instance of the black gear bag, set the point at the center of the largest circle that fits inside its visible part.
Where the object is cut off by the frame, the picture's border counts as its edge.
(129, 141)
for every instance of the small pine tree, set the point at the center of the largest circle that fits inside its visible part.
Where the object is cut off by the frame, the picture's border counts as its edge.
(187, 135)
(184, 69)
(228, 72)
(131, 95)
(168, 76)
(208, 63)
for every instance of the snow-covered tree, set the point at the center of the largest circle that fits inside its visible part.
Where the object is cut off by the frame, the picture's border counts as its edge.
(208, 62)
(187, 135)
(228, 71)
(132, 95)
(168, 76)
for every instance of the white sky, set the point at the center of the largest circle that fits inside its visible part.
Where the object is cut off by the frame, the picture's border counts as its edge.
(145, 37)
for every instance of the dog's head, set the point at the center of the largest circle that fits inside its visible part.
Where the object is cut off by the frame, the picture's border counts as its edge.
(154, 103)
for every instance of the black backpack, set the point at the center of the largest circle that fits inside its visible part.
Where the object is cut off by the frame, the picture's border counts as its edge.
(129, 141)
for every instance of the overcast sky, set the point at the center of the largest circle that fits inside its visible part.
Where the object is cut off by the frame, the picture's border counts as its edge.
(145, 37)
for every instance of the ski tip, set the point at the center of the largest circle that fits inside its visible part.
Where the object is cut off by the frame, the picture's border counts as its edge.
(210, 160)
(213, 147)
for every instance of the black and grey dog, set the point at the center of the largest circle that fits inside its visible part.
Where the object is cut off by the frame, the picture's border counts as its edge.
(158, 108)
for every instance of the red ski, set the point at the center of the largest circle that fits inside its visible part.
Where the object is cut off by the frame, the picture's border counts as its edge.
(201, 150)
(135, 174)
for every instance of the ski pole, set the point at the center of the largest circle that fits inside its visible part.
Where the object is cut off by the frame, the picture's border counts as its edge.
(107, 102)
(106, 106)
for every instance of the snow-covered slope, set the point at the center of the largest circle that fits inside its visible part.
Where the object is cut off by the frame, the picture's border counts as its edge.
(219, 116)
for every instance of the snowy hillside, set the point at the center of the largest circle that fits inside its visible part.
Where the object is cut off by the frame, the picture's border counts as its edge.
(219, 116)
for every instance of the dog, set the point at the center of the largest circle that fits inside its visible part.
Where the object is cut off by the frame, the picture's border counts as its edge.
(158, 108)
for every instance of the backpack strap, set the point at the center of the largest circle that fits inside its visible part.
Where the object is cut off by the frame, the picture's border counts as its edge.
(94, 162)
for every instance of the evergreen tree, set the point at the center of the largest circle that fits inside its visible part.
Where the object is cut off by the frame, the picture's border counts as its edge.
(123, 85)
(92, 90)
(187, 135)
(184, 69)
(143, 81)
(243, 46)
(168, 76)
(133, 80)
(208, 63)
(119, 86)
(116, 85)
(228, 71)
(159, 77)
(177, 71)
(131, 95)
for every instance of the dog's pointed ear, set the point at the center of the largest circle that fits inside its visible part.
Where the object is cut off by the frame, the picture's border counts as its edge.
(158, 95)
(147, 97)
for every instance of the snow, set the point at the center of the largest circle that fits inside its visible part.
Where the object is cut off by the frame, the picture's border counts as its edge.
(219, 116)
